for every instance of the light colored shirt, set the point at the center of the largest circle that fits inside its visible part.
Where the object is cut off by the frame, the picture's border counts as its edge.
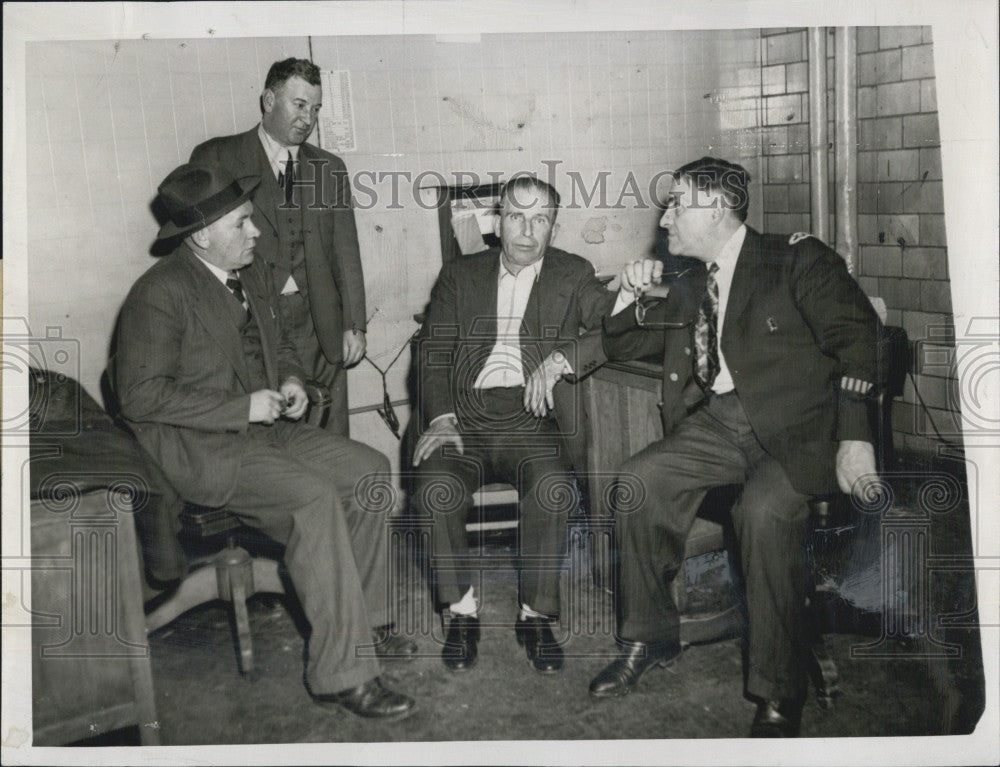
(726, 261)
(276, 153)
(503, 366)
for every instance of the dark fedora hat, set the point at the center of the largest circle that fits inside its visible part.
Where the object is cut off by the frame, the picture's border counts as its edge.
(193, 196)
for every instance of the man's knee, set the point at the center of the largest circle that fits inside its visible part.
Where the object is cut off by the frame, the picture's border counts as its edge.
(552, 485)
(633, 485)
(436, 490)
(366, 460)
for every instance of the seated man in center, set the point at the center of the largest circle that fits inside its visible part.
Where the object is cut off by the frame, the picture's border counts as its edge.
(491, 411)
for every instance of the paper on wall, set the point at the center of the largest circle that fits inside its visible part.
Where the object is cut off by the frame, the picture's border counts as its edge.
(336, 118)
(466, 228)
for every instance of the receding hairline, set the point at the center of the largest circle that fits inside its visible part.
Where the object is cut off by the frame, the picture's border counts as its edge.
(520, 184)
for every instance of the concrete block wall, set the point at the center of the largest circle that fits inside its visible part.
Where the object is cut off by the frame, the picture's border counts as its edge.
(902, 248)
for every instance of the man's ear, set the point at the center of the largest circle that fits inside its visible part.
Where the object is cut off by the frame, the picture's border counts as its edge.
(496, 224)
(554, 232)
(267, 100)
(201, 238)
(718, 207)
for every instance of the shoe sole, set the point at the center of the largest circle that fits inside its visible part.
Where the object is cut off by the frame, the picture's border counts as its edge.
(329, 704)
(629, 688)
(386, 718)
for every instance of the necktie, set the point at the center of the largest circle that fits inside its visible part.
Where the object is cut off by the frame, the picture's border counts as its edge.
(286, 177)
(706, 336)
(236, 288)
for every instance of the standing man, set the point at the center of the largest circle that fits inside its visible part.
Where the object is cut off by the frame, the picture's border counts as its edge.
(489, 367)
(308, 239)
(213, 391)
(769, 365)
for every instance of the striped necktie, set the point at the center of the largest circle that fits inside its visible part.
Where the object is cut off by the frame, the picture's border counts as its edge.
(236, 288)
(706, 335)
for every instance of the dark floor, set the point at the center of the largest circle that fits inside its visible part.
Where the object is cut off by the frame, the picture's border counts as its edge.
(914, 688)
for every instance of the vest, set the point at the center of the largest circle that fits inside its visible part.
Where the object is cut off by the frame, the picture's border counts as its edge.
(253, 351)
(290, 258)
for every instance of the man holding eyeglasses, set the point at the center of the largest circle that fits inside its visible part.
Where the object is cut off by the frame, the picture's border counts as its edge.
(769, 367)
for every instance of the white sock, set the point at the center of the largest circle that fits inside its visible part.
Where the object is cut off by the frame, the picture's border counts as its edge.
(527, 612)
(466, 605)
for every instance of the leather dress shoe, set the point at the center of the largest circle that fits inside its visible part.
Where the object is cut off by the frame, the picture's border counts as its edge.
(635, 659)
(535, 635)
(370, 700)
(461, 644)
(777, 719)
(389, 646)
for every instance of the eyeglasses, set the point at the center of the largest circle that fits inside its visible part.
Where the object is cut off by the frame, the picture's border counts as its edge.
(654, 297)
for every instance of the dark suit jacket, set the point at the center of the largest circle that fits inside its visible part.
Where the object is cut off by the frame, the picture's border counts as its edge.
(333, 263)
(461, 328)
(795, 324)
(181, 376)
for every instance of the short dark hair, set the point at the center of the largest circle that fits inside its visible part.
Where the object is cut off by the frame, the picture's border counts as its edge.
(281, 71)
(710, 174)
(529, 182)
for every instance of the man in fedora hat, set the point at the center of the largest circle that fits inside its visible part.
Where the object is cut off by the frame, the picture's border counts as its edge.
(213, 390)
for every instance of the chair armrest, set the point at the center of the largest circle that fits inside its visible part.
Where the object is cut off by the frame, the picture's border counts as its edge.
(319, 404)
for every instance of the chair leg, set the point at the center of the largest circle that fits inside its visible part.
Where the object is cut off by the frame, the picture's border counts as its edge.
(197, 588)
(244, 641)
(235, 572)
(235, 577)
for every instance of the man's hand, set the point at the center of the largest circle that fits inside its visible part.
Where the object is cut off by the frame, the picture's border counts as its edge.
(856, 471)
(266, 406)
(538, 389)
(443, 431)
(296, 400)
(354, 347)
(640, 276)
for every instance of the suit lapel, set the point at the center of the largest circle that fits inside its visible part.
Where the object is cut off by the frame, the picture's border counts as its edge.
(260, 307)
(255, 163)
(317, 269)
(745, 278)
(484, 291)
(548, 301)
(209, 306)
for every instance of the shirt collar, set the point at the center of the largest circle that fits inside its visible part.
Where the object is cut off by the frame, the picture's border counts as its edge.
(504, 271)
(275, 152)
(728, 253)
(221, 274)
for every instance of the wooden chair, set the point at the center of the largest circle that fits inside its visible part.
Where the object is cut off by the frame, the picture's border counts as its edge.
(231, 574)
(484, 518)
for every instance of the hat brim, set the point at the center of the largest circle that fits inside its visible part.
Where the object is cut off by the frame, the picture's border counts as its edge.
(170, 230)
